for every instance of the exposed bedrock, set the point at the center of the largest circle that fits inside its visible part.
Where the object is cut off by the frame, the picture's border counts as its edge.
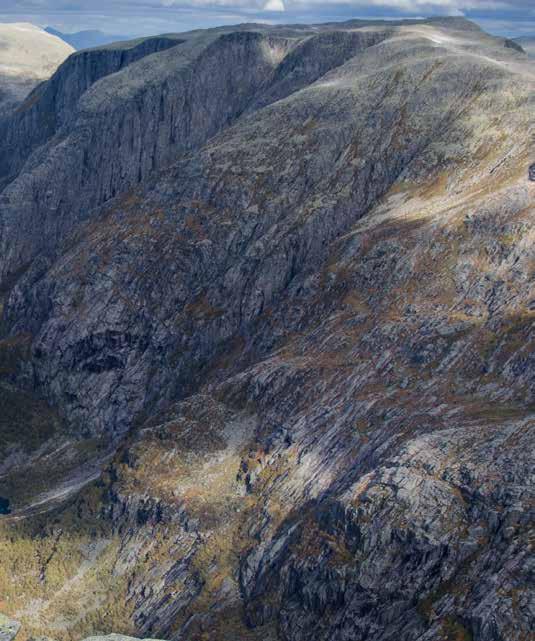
(173, 273)
(94, 142)
(266, 344)
(54, 102)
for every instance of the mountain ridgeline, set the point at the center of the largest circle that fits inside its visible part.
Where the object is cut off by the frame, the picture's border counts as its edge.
(266, 338)
(86, 39)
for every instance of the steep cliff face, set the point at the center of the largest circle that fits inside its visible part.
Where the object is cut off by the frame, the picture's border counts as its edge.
(52, 104)
(130, 125)
(274, 311)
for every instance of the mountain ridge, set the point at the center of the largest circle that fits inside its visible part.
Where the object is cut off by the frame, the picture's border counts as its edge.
(86, 39)
(267, 305)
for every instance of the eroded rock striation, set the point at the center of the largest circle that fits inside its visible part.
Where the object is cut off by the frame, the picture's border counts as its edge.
(266, 353)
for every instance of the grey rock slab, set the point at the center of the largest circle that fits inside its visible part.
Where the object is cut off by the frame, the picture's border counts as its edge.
(8, 628)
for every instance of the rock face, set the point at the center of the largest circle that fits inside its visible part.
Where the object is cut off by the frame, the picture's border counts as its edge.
(51, 105)
(114, 637)
(28, 55)
(266, 352)
(528, 44)
(8, 628)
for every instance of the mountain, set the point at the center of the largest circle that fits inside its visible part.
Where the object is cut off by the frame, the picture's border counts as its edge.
(28, 56)
(528, 44)
(85, 39)
(267, 337)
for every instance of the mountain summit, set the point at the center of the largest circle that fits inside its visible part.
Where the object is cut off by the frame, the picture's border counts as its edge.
(28, 55)
(267, 346)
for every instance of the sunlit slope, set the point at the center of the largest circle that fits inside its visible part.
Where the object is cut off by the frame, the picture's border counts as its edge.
(28, 55)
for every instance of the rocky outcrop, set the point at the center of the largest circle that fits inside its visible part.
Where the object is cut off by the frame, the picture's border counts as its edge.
(8, 628)
(52, 104)
(528, 44)
(282, 331)
(114, 637)
(406, 551)
(119, 135)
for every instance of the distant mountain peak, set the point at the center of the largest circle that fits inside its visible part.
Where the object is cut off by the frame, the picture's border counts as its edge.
(85, 39)
(28, 55)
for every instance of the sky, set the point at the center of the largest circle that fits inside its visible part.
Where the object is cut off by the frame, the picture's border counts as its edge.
(144, 17)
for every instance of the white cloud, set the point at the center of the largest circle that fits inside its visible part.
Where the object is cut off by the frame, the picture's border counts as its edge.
(412, 6)
(274, 5)
(157, 16)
